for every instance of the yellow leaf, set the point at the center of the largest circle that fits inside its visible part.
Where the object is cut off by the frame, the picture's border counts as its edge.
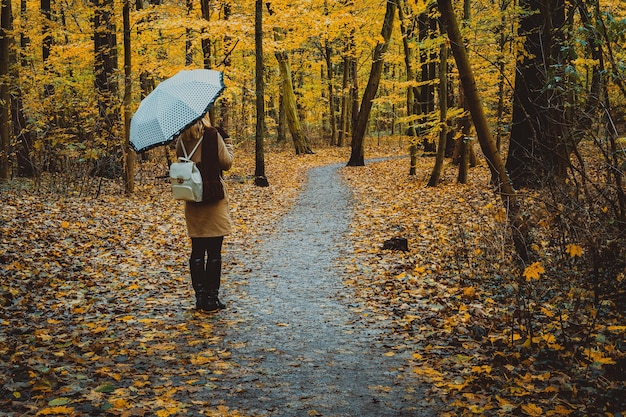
(500, 216)
(167, 412)
(559, 410)
(616, 328)
(390, 353)
(533, 271)
(574, 250)
(431, 373)
(532, 410)
(469, 292)
(65, 224)
(60, 410)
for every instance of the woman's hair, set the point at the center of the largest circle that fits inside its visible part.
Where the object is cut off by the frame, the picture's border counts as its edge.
(193, 131)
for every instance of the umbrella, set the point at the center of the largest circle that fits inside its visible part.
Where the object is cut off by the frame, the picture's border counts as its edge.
(173, 105)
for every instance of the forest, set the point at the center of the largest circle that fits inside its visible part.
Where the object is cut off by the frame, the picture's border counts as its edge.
(488, 133)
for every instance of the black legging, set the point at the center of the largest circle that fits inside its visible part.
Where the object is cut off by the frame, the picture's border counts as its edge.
(212, 246)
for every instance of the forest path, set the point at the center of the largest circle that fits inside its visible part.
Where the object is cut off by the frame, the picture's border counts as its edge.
(302, 344)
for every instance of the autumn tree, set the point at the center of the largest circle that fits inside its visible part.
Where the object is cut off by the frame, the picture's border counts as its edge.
(129, 154)
(259, 171)
(538, 148)
(357, 157)
(407, 27)
(300, 141)
(349, 85)
(427, 32)
(6, 26)
(106, 85)
(443, 119)
(328, 52)
(23, 136)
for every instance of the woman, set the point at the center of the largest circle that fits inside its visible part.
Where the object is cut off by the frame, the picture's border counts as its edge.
(209, 220)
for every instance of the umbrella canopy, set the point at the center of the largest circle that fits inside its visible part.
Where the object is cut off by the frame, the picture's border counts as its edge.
(174, 104)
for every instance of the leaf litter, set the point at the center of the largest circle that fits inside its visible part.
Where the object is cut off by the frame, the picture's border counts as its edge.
(93, 288)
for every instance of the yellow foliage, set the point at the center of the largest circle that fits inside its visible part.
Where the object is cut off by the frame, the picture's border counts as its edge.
(574, 250)
(532, 410)
(533, 271)
(55, 411)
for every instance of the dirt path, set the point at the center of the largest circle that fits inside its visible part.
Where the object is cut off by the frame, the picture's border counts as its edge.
(301, 344)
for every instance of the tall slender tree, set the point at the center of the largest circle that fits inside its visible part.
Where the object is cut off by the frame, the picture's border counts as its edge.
(259, 172)
(106, 85)
(23, 136)
(443, 122)
(300, 141)
(6, 26)
(129, 154)
(357, 156)
(407, 28)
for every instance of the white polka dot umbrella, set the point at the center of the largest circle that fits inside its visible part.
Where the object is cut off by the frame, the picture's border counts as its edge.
(174, 104)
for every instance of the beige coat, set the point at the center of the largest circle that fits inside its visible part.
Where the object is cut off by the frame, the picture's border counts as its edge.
(212, 219)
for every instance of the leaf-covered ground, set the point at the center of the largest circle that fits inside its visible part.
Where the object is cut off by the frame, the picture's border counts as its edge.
(96, 304)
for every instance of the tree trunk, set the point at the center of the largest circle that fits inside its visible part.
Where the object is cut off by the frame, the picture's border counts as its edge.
(331, 95)
(443, 109)
(357, 156)
(300, 141)
(188, 34)
(347, 96)
(207, 57)
(413, 92)
(488, 146)
(129, 154)
(328, 52)
(106, 86)
(538, 148)
(228, 48)
(427, 26)
(259, 171)
(23, 137)
(6, 26)
(464, 146)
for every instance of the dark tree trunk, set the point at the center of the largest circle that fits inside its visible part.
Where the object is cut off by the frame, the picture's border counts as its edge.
(129, 154)
(106, 86)
(538, 148)
(228, 49)
(259, 171)
(206, 41)
(464, 149)
(349, 91)
(427, 29)
(24, 139)
(188, 34)
(413, 108)
(6, 26)
(443, 109)
(332, 118)
(357, 157)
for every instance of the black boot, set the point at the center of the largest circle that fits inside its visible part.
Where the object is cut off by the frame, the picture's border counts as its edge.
(213, 279)
(198, 272)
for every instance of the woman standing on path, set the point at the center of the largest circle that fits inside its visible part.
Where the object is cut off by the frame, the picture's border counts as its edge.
(209, 220)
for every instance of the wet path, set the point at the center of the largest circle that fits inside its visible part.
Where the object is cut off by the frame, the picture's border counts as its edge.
(301, 344)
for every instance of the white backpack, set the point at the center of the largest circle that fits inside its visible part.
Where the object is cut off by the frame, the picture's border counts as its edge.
(185, 177)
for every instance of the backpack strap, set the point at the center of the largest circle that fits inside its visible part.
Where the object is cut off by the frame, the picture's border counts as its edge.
(188, 157)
